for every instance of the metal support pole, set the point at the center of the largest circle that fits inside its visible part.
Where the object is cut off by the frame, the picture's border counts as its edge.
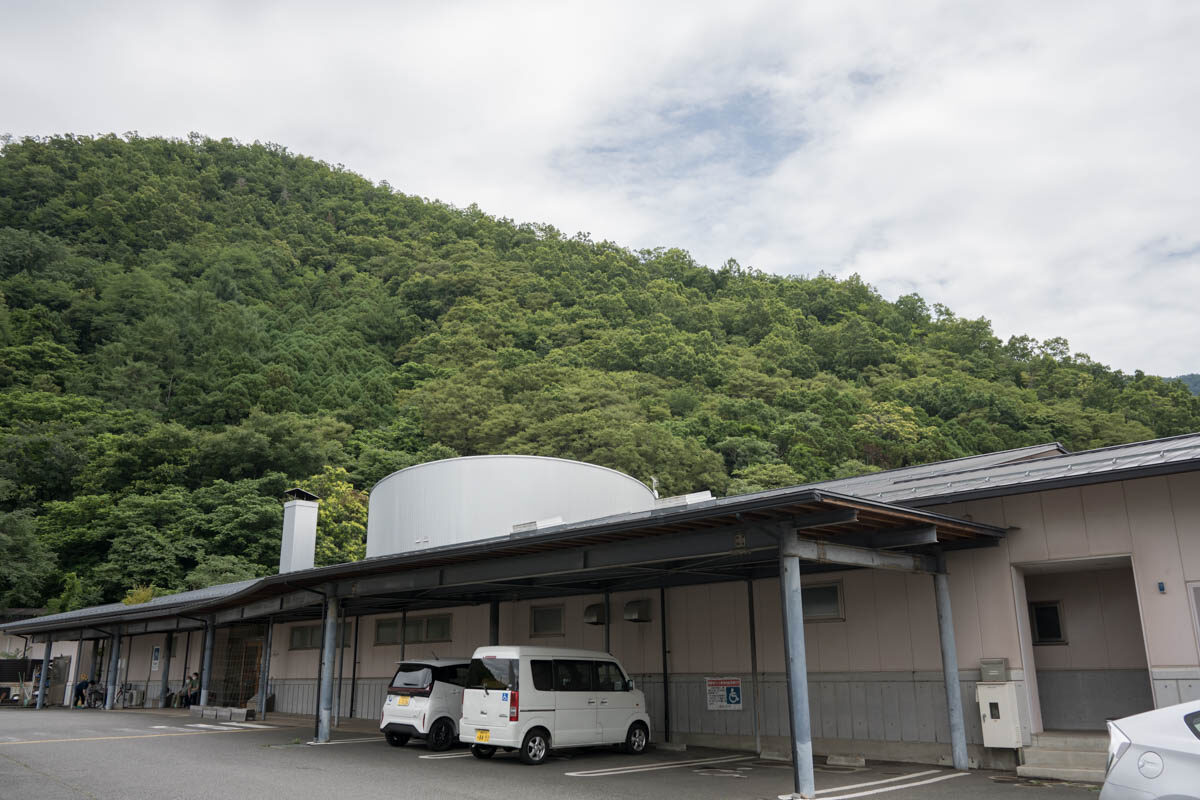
(206, 662)
(341, 667)
(329, 640)
(94, 667)
(354, 667)
(44, 682)
(403, 631)
(264, 676)
(954, 706)
(114, 661)
(607, 622)
(797, 674)
(165, 666)
(662, 625)
(754, 667)
(494, 623)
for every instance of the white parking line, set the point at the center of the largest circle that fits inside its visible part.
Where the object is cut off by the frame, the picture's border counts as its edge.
(446, 755)
(907, 777)
(248, 725)
(207, 727)
(349, 741)
(653, 767)
(883, 789)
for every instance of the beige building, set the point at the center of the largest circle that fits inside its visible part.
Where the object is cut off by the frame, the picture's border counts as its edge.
(1081, 571)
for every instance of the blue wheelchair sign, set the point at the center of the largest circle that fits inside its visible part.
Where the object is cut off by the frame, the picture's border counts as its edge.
(733, 695)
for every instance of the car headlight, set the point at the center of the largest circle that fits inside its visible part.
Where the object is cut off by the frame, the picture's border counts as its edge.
(1118, 743)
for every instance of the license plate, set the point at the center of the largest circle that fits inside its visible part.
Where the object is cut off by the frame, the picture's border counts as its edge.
(483, 736)
(402, 699)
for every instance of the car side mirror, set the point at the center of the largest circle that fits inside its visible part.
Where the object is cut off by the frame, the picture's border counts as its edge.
(629, 687)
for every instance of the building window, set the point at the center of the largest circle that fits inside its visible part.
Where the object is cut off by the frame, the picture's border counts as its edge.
(546, 621)
(1046, 620)
(308, 637)
(822, 603)
(416, 630)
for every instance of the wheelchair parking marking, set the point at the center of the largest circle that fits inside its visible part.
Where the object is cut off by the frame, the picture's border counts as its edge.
(593, 773)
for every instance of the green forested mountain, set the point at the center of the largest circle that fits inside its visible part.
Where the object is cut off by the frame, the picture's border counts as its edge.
(188, 327)
(1192, 381)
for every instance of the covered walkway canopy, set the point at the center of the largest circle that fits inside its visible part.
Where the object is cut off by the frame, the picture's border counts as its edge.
(785, 532)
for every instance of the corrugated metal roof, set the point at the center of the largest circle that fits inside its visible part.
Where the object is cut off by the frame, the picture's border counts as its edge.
(1022, 470)
(155, 606)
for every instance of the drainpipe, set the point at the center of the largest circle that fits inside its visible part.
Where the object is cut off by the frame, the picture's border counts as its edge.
(754, 666)
(265, 676)
(44, 683)
(666, 678)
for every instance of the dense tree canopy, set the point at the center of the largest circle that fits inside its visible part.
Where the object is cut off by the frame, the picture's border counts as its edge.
(189, 327)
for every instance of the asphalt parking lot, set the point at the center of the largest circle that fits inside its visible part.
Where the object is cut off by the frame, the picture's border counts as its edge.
(59, 753)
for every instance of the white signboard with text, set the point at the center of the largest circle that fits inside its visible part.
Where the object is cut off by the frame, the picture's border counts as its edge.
(724, 694)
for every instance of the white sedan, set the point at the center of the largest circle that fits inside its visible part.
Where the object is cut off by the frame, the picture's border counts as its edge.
(1155, 755)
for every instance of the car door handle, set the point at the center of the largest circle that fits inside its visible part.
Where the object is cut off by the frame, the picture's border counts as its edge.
(603, 702)
(592, 701)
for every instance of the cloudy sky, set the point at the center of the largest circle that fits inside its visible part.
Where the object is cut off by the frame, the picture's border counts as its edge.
(1035, 163)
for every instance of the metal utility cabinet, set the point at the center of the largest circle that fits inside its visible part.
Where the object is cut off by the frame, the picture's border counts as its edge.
(997, 698)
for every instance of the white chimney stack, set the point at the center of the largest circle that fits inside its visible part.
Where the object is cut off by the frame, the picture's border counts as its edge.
(299, 547)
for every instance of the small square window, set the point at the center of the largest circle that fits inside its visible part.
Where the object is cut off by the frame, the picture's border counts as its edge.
(437, 629)
(546, 621)
(1046, 619)
(308, 637)
(387, 631)
(822, 603)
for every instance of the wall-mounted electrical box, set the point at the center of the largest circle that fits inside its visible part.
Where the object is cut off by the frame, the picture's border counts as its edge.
(998, 714)
(594, 614)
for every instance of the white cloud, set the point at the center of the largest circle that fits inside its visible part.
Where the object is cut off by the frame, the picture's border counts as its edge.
(1032, 163)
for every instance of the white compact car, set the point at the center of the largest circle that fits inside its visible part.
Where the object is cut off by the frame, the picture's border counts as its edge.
(1155, 755)
(532, 699)
(424, 701)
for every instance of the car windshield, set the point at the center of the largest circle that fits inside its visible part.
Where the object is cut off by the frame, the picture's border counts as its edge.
(492, 673)
(412, 676)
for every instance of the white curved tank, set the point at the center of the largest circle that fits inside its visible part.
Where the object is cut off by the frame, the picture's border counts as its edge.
(479, 497)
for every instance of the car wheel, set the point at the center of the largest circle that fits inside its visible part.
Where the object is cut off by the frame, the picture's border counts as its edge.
(441, 735)
(397, 739)
(483, 750)
(637, 738)
(536, 747)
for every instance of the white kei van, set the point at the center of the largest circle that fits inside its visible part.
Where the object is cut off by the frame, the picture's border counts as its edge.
(424, 701)
(532, 699)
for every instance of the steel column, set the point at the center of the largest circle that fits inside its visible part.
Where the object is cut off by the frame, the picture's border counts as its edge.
(206, 662)
(403, 631)
(341, 667)
(494, 623)
(662, 626)
(354, 666)
(44, 682)
(328, 648)
(954, 706)
(803, 780)
(264, 675)
(165, 665)
(114, 660)
(607, 622)
(754, 666)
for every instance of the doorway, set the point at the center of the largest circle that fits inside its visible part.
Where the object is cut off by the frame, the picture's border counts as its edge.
(1088, 649)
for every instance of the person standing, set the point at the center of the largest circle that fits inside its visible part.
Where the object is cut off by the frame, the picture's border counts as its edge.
(81, 692)
(193, 690)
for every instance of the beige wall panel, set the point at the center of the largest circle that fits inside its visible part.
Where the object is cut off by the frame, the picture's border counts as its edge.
(834, 649)
(1185, 501)
(994, 595)
(730, 627)
(1066, 533)
(1027, 541)
(989, 512)
(1122, 624)
(1099, 616)
(1106, 520)
(862, 624)
(965, 607)
(638, 645)
(922, 620)
(691, 635)
(1166, 618)
(769, 613)
(894, 629)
